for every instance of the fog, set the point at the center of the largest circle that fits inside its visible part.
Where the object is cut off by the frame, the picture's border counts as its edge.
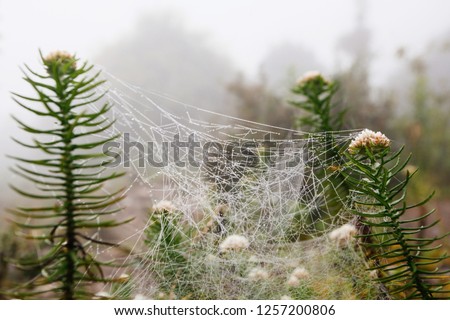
(241, 35)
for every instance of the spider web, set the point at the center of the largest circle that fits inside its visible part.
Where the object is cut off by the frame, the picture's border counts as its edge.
(280, 204)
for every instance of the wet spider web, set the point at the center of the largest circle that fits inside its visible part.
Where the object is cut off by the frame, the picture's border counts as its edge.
(239, 212)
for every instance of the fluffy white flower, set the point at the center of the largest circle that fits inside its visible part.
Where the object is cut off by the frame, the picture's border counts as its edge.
(342, 236)
(164, 205)
(234, 242)
(311, 76)
(140, 297)
(375, 141)
(293, 281)
(300, 273)
(103, 295)
(258, 274)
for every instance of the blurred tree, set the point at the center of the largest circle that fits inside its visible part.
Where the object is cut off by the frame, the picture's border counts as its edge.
(355, 91)
(427, 128)
(421, 86)
(256, 102)
(422, 89)
(437, 60)
(431, 100)
(284, 63)
(163, 56)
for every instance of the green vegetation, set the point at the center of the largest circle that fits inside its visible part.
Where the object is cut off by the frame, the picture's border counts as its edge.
(344, 230)
(406, 261)
(69, 203)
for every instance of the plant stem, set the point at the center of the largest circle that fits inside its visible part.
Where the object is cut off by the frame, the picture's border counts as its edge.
(66, 166)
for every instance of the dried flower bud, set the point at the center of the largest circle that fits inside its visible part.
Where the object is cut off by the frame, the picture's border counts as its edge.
(164, 205)
(258, 274)
(343, 235)
(140, 297)
(65, 62)
(103, 295)
(311, 77)
(300, 273)
(296, 275)
(234, 242)
(293, 281)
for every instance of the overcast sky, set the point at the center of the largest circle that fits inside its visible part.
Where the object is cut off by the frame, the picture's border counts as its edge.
(243, 30)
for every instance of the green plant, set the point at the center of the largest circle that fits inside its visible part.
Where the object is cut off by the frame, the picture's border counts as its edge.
(367, 174)
(170, 239)
(319, 116)
(317, 103)
(69, 178)
(393, 244)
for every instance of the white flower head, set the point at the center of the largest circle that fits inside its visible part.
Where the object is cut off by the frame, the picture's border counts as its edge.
(103, 295)
(310, 76)
(296, 276)
(300, 273)
(343, 235)
(234, 242)
(140, 297)
(285, 297)
(258, 274)
(164, 205)
(374, 141)
(293, 281)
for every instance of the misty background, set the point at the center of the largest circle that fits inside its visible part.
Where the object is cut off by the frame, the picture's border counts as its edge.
(392, 59)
